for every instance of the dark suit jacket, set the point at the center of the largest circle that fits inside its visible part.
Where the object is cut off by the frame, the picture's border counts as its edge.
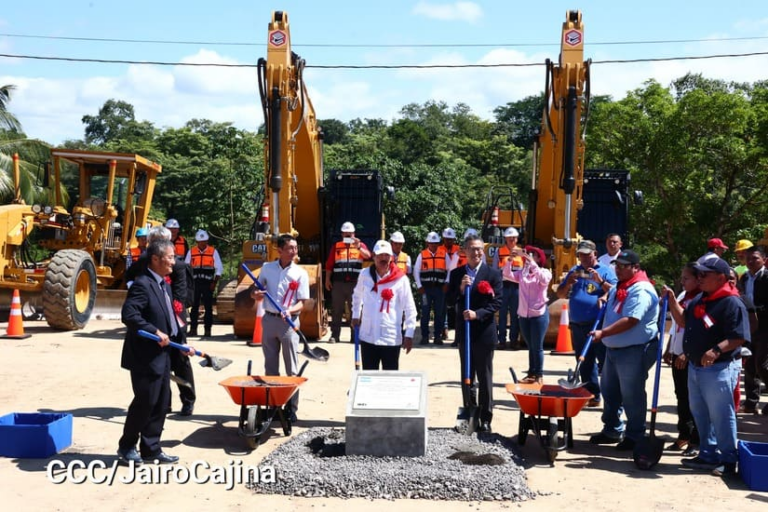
(483, 328)
(145, 308)
(760, 298)
(178, 280)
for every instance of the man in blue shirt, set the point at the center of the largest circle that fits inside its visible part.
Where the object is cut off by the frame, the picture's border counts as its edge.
(630, 334)
(583, 286)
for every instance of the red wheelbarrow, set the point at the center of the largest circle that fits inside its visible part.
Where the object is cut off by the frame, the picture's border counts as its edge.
(261, 399)
(547, 410)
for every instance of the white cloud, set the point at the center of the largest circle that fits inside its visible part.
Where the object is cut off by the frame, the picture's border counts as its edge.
(457, 11)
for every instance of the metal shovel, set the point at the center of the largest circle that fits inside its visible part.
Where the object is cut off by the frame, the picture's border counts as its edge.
(217, 363)
(466, 418)
(572, 382)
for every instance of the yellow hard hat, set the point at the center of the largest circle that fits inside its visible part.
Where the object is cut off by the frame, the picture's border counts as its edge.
(743, 245)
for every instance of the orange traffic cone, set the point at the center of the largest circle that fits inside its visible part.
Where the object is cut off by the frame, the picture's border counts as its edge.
(257, 329)
(15, 320)
(564, 347)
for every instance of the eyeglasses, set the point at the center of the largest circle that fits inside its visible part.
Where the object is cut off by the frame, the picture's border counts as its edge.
(623, 265)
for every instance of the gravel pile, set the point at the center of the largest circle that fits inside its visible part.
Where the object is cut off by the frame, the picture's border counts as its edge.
(456, 467)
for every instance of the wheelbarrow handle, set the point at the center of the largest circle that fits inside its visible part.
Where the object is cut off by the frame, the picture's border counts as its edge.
(261, 287)
(179, 346)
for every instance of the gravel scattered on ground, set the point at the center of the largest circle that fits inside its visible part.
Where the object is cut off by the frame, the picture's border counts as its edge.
(483, 467)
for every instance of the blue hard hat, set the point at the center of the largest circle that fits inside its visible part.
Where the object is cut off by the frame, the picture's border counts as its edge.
(142, 232)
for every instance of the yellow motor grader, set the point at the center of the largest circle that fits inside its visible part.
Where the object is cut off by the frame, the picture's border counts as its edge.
(68, 260)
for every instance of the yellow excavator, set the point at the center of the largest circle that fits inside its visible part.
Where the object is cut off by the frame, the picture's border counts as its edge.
(68, 262)
(294, 199)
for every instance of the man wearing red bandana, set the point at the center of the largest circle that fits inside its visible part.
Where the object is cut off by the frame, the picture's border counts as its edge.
(288, 284)
(716, 326)
(381, 300)
(485, 295)
(631, 336)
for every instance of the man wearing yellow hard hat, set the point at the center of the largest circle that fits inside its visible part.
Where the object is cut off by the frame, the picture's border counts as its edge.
(741, 255)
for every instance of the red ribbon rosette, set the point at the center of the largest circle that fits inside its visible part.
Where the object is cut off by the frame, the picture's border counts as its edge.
(167, 279)
(294, 285)
(288, 298)
(177, 307)
(699, 310)
(386, 295)
(485, 288)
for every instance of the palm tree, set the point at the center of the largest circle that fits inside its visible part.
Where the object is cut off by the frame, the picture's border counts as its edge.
(7, 120)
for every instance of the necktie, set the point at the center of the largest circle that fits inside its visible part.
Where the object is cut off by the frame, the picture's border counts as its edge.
(169, 309)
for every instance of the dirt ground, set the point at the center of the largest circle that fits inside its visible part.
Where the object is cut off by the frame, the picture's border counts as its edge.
(79, 373)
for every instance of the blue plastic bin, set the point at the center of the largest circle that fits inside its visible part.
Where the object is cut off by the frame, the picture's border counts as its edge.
(34, 435)
(753, 465)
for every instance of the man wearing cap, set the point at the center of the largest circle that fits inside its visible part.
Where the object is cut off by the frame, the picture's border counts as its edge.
(507, 255)
(430, 274)
(288, 284)
(344, 264)
(381, 300)
(613, 248)
(630, 335)
(141, 247)
(741, 256)
(451, 262)
(584, 284)
(180, 245)
(400, 257)
(754, 285)
(207, 269)
(716, 325)
(716, 246)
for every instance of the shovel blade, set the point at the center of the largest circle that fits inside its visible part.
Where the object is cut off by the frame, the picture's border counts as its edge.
(569, 384)
(647, 452)
(317, 353)
(217, 363)
(466, 420)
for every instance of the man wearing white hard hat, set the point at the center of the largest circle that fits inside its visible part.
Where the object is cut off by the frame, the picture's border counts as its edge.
(343, 266)
(509, 255)
(451, 262)
(430, 274)
(381, 300)
(207, 268)
(400, 257)
(180, 245)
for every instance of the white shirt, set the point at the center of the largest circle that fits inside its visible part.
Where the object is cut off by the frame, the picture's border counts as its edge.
(277, 281)
(749, 283)
(606, 259)
(381, 321)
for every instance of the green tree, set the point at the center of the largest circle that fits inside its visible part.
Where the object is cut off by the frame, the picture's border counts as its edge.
(7, 120)
(116, 120)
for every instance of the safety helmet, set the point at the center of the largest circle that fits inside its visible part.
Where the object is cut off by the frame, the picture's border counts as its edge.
(743, 245)
(382, 247)
(510, 232)
(201, 235)
(470, 232)
(142, 232)
(172, 224)
(347, 227)
(449, 233)
(397, 237)
(433, 238)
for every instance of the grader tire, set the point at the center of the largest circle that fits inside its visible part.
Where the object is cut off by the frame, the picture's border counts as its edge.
(69, 290)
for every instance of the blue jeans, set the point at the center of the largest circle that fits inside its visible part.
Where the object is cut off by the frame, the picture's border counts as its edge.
(533, 330)
(433, 298)
(509, 302)
(624, 376)
(588, 368)
(710, 392)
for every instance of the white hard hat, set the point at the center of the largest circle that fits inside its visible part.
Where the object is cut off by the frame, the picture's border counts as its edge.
(172, 224)
(347, 227)
(510, 231)
(433, 238)
(470, 232)
(449, 233)
(397, 237)
(201, 235)
(382, 247)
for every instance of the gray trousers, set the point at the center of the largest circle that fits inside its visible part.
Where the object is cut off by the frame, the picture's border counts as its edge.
(278, 336)
(341, 295)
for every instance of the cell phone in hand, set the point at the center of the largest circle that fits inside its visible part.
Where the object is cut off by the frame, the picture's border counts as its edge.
(349, 240)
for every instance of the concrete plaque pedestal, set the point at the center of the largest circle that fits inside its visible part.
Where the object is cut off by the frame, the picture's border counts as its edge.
(387, 414)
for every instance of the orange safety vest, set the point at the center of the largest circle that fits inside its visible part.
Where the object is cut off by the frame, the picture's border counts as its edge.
(433, 269)
(202, 263)
(504, 255)
(402, 261)
(462, 259)
(180, 247)
(347, 262)
(136, 253)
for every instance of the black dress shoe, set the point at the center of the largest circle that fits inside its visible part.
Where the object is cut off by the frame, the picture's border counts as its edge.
(125, 457)
(485, 426)
(187, 410)
(161, 458)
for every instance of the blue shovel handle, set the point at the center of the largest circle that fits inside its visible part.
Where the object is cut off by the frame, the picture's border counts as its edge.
(155, 337)
(467, 364)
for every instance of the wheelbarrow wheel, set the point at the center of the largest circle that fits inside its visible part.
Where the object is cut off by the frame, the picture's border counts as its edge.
(553, 436)
(522, 433)
(251, 439)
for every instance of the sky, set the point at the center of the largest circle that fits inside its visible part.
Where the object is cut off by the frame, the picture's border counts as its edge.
(51, 97)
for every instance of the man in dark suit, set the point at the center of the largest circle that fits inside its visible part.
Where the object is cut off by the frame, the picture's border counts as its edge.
(754, 285)
(148, 307)
(485, 295)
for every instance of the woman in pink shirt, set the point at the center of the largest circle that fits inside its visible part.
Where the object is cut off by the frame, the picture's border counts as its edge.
(532, 307)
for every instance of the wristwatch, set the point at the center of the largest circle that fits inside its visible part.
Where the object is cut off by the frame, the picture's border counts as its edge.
(716, 349)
